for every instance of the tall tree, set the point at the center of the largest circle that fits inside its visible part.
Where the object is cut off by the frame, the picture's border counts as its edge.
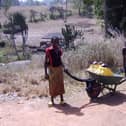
(78, 4)
(19, 19)
(99, 8)
(6, 4)
(0, 4)
(82, 5)
(17, 25)
(15, 2)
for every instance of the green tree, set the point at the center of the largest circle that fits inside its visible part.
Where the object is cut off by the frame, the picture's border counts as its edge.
(78, 4)
(6, 6)
(19, 20)
(82, 5)
(0, 4)
(17, 25)
(15, 2)
(98, 8)
(87, 8)
(88, 2)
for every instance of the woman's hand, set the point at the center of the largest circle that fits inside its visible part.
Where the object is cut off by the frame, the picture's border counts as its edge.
(65, 69)
(46, 76)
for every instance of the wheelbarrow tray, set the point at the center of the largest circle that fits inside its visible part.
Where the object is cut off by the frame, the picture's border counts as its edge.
(115, 79)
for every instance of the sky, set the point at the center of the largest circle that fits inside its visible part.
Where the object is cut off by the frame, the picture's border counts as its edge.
(25, 0)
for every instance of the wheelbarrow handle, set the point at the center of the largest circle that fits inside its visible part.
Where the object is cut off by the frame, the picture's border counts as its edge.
(123, 80)
(74, 77)
(93, 88)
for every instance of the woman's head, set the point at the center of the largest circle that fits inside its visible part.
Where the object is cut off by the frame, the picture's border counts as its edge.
(55, 41)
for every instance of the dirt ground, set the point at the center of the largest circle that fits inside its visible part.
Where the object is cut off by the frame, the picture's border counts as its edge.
(105, 111)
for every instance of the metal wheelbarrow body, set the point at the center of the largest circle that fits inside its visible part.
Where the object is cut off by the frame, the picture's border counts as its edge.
(95, 84)
(106, 82)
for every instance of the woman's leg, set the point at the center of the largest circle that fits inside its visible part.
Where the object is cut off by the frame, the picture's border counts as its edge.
(52, 99)
(51, 103)
(61, 98)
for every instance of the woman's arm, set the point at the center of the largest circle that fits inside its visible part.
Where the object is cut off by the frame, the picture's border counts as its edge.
(45, 67)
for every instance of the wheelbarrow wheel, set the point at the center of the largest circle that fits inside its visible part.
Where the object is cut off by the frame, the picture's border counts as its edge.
(93, 89)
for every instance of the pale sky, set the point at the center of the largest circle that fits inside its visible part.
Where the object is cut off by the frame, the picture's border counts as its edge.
(25, 0)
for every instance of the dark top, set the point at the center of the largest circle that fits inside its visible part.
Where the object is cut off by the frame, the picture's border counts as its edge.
(54, 56)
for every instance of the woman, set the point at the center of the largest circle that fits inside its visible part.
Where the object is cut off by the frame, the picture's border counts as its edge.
(53, 63)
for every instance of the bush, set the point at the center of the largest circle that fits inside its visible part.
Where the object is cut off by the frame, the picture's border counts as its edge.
(98, 8)
(108, 51)
(3, 59)
(52, 16)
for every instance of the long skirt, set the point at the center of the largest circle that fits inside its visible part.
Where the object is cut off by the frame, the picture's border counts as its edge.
(56, 81)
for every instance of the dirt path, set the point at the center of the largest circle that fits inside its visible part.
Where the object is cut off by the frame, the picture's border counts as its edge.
(107, 111)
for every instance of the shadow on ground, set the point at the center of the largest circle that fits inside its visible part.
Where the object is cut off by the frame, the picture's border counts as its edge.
(68, 110)
(112, 99)
(108, 99)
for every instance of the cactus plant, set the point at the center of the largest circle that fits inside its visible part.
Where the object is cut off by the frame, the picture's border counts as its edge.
(69, 34)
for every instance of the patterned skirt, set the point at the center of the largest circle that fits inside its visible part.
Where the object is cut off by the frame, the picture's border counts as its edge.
(56, 81)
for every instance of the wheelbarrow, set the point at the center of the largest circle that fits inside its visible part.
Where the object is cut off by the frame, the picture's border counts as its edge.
(95, 84)
(105, 82)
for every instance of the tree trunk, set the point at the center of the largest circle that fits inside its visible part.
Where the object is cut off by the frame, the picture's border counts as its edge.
(79, 11)
(14, 45)
(105, 18)
(24, 42)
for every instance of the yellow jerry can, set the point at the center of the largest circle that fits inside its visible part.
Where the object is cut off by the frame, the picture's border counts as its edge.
(100, 70)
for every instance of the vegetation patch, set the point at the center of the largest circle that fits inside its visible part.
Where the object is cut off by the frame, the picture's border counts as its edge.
(100, 50)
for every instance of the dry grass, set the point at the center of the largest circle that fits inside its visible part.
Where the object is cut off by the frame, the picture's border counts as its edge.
(108, 51)
(28, 83)
(31, 84)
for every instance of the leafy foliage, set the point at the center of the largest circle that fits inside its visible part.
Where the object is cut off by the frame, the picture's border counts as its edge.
(88, 2)
(17, 24)
(19, 19)
(6, 5)
(82, 6)
(98, 8)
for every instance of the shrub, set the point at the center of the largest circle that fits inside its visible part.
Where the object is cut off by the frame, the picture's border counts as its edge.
(98, 8)
(108, 51)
